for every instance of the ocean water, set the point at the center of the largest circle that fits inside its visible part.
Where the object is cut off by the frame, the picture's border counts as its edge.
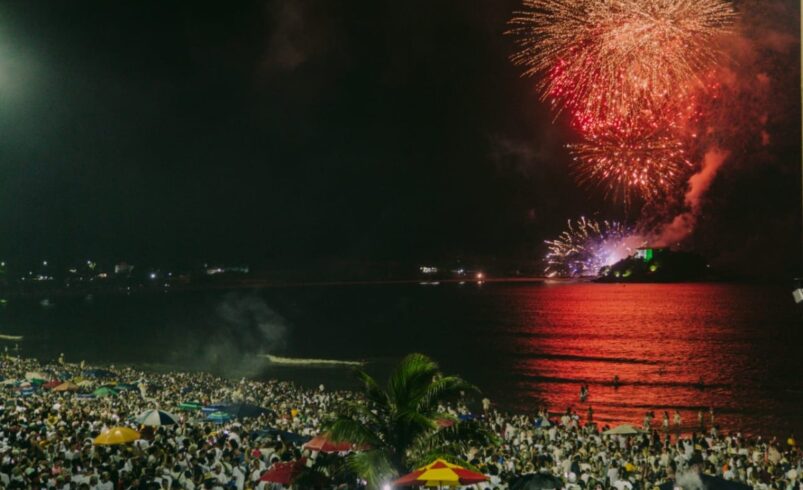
(684, 347)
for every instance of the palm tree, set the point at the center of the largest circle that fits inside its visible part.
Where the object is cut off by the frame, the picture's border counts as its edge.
(398, 426)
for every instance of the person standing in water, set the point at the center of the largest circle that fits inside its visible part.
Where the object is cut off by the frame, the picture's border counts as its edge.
(665, 422)
(678, 421)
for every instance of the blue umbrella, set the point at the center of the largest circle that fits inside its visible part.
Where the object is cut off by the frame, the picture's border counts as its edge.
(244, 410)
(218, 417)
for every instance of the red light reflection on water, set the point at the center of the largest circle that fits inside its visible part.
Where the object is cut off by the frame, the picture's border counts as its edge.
(661, 341)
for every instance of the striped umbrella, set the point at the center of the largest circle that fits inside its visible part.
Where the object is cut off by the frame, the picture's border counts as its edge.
(440, 473)
(155, 418)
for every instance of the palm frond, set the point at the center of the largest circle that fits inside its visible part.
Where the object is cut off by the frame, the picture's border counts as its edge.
(374, 466)
(373, 392)
(443, 389)
(353, 431)
(410, 379)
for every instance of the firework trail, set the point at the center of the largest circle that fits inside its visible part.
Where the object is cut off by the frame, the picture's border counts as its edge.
(586, 246)
(612, 59)
(627, 167)
(629, 74)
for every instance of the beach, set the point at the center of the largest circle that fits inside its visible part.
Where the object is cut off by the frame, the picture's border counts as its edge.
(48, 433)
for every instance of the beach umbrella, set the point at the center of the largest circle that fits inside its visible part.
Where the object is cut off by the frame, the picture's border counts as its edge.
(66, 386)
(36, 375)
(104, 391)
(116, 435)
(623, 430)
(156, 418)
(323, 444)
(244, 410)
(218, 417)
(215, 407)
(440, 473)
(51, 384)
(284, 472)
(189, 406)
(536, 481)
(126, 387)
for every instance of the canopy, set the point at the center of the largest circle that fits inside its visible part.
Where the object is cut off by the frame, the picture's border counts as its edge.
(189, 406)
(623, 430)
(323, 444)
(440, 473)
(156, 418)
(284, 472)
(66, 386)
(116, 435)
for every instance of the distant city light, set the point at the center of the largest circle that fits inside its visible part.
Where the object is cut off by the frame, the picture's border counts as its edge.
(153, 275)
(44, 262)
(480, 276)
(428, 269)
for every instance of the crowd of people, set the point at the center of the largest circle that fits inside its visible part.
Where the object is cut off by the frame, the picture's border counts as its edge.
(46, 437)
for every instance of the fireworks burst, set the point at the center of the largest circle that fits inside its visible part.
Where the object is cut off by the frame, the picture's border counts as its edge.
(587, 246)
(608, 60)
(628, 166)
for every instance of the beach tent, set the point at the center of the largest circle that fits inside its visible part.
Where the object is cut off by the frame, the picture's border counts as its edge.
(116, 435)
(156, 418)
(66, 386)
(440, 473)
(536, 481)
(104, 391)
(623, 430)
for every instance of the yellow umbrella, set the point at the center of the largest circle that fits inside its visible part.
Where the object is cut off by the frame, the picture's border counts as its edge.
(116, 435)
(66, 386)
(440, 473)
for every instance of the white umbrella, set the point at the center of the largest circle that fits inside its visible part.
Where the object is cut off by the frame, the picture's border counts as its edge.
(623, 430)
(155, 418)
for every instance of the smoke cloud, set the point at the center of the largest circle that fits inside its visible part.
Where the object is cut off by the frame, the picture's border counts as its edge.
(683, 224)
(242, 327)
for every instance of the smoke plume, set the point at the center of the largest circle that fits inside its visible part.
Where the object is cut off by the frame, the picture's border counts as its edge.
(683, 224)
(241, 328)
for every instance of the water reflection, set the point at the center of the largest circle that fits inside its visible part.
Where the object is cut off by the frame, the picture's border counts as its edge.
(673, 347)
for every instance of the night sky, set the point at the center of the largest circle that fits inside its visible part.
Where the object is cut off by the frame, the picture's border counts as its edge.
(295, 130)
